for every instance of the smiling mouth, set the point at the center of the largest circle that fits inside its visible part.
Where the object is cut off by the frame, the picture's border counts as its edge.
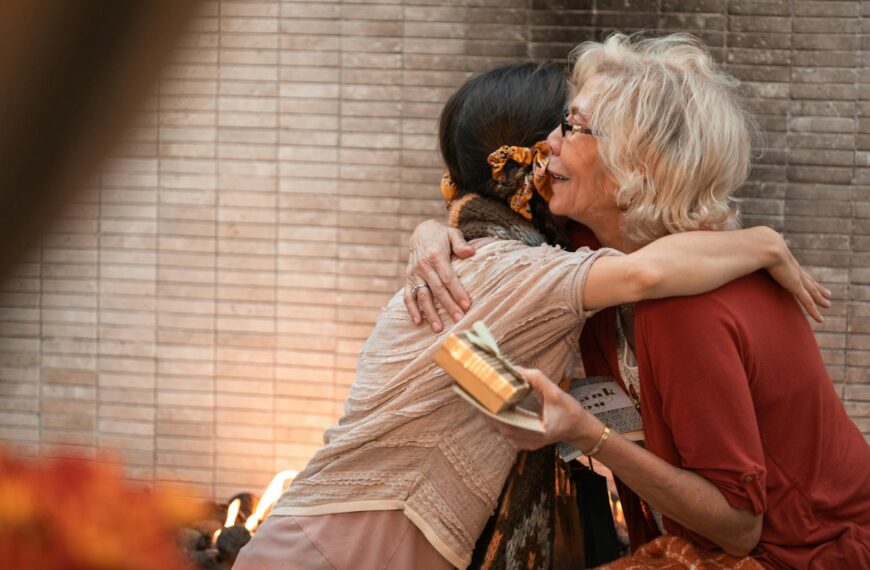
(558, 177)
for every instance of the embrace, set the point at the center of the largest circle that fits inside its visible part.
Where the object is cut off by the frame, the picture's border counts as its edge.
(749, 458)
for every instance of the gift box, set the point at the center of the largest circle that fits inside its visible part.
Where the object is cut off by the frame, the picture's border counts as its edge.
(477, 365)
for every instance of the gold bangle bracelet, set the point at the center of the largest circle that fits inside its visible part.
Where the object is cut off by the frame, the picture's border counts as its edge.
(601, 440)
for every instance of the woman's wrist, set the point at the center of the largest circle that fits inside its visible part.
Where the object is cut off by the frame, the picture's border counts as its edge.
(773, 249)
(588, 433)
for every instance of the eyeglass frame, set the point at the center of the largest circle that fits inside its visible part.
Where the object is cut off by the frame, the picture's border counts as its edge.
(567, 127)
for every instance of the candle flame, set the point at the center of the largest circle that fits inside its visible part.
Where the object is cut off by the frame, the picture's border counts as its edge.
(233, 512)
(616, 511)
(270, 495)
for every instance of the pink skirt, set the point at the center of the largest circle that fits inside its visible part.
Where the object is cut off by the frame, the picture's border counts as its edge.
(342, 541)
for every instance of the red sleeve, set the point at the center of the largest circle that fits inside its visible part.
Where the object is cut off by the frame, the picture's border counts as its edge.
(696, 401)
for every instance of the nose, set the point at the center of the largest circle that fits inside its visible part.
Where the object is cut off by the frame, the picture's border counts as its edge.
(554, 140)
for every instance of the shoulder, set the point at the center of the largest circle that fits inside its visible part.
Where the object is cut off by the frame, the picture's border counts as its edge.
(753, 292)
(513, 252)
(543, 276)
(720, 317)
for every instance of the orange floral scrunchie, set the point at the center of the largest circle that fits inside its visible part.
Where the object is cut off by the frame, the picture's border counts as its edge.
(448, 189)
(536, 158)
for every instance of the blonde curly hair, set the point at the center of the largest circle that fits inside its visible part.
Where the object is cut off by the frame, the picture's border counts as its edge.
(672, 132)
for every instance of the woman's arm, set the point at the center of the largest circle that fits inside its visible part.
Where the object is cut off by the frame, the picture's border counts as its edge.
(679, 264)
(681, 495)
(691, 263)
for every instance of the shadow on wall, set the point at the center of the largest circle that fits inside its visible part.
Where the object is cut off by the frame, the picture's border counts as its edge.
(72, 74)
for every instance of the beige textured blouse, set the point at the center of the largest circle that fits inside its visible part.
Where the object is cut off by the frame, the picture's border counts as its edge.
(406, 440)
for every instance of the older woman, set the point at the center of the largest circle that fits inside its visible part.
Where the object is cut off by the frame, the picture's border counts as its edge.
(409, 476)
(748, 448)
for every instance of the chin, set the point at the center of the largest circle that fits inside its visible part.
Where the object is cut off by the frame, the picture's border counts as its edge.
(555, 208)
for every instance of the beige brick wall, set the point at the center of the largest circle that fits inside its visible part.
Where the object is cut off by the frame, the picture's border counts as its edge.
(200, 307)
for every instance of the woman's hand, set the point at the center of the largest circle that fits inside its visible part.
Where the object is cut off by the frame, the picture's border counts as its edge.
(430, 277)
(564, 418)
(794, 279)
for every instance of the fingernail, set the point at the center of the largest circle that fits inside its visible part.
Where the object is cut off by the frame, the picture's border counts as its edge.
(465, 304)
(416, 321)
(457, 316)
(436, 327)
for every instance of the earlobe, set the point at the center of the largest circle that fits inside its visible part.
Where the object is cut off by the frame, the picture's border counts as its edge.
(635, 186)
(619, 199)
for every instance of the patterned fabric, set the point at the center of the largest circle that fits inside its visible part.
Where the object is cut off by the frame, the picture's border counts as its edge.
(676, 553)
(536, 525)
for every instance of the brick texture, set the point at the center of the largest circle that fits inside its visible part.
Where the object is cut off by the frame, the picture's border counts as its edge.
(199, 309)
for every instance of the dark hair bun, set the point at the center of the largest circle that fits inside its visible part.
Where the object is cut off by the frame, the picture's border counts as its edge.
(516, 104)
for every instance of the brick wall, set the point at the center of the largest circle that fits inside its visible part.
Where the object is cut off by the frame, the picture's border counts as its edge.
(200, 307)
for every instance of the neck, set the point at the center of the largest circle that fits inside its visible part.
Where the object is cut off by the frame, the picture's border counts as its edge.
(609, 233)
(612, 238)
(480, 217)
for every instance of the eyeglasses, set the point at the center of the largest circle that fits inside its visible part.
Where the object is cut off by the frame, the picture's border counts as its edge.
(567, 127)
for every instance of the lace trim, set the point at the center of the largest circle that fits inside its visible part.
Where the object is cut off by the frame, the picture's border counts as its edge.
(427, 497)
(462, 466)
(625, 357)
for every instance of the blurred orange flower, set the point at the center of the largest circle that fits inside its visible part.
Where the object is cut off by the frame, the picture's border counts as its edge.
(71, 514)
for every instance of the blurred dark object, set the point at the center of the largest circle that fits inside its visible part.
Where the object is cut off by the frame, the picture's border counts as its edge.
(599, 532)
(72, 72)
(190, 539)
(230, 541)
(208, 527)
(246, 509)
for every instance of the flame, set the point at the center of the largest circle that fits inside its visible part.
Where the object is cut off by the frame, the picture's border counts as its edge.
(616, 511)
(233, 512)
(620, 518)
(270, 495)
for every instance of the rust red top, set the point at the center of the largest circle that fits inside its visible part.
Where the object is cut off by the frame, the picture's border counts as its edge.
(733, 387)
